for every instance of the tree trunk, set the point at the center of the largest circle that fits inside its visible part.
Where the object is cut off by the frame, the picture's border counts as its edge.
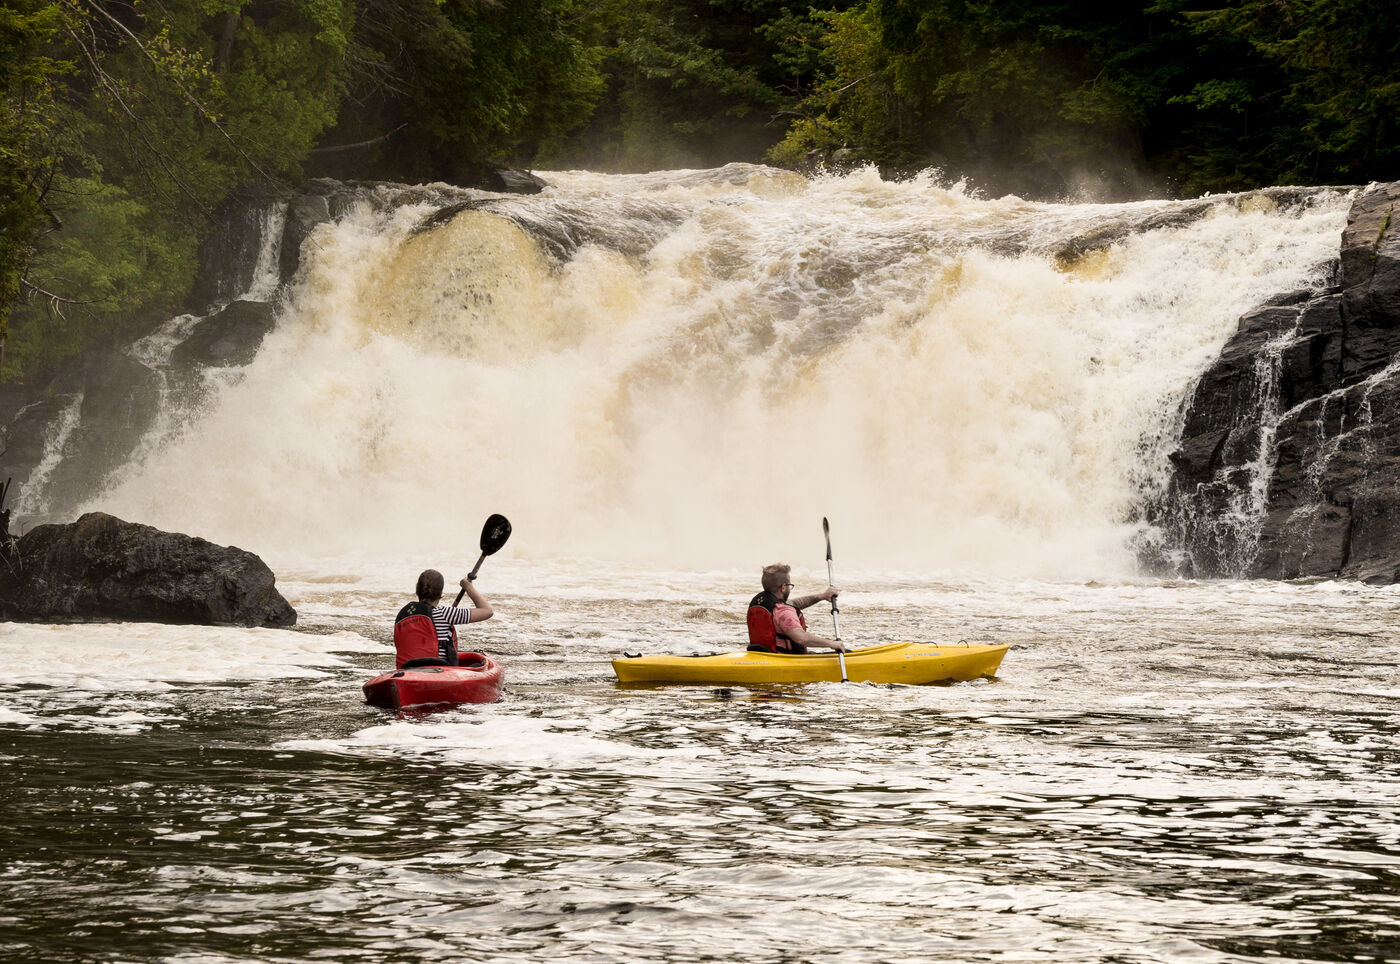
(227, 29)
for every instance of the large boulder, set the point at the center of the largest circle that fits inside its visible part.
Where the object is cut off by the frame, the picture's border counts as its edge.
(101, 568)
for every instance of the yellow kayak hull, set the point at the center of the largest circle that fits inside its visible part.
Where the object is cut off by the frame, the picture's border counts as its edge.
(907, 663)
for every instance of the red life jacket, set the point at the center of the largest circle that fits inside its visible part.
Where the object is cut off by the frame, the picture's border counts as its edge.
(763, 632)
(415, 636)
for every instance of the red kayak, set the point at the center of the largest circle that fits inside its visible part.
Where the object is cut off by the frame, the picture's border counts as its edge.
(477, 679)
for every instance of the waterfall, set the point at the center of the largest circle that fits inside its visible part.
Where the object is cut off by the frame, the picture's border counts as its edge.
(693, 367)
(58, 431)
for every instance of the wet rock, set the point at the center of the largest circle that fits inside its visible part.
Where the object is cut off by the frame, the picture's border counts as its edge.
(1290, 450)
(304, 213)
(121, 398)
(102, 568)
(564, 230)
(81, 428)
(228, 338)
(506, 180)
(24, 440)
(1370, 259)
(228, 251)
(1312, 364)
(1180, 215)
(1128, 226)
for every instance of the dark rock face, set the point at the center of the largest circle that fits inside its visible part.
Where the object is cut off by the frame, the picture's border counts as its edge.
(27, 435)
(99, 409)
(229, 337)
(304, 212)
(101, 568)
(1289, 461)
(228, 254)
(503, 180)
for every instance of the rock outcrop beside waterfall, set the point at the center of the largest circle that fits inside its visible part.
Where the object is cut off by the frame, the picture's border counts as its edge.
(101, 568)
(1289, 460)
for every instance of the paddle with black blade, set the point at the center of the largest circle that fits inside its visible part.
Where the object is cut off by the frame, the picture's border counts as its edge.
(493, 535)
(831, 581)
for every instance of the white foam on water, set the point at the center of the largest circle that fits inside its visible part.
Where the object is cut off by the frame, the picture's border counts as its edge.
(99, 658)
(12, 716)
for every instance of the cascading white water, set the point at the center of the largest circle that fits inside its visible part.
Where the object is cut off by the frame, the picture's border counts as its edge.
(31, 499)
(721, 359)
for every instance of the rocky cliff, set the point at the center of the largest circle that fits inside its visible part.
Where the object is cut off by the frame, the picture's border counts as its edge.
(1287, 465)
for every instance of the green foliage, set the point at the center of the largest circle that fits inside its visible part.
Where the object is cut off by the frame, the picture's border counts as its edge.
(1322, 78)
(525, 79)
(114, 252)
(28, 78)
(439, 87)
(852, 104)
(691, 83)
(284, 84)
(136, 121)
(1016, 93)
(123, 123)
(1032, 96)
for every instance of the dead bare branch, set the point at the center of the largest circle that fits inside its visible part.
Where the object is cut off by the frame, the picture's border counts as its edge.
(350, 147)
(112, 89)
(204, 112)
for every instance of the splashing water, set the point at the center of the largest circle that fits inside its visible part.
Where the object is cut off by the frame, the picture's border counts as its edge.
(693, 367)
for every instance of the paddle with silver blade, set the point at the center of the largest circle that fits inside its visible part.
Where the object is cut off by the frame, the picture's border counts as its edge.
(493, 535)
(831, 581)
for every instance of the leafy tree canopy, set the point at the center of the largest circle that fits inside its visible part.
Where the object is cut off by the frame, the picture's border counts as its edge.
(124, 122)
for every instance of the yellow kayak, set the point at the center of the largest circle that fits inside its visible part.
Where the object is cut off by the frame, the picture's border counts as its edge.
(909, 663)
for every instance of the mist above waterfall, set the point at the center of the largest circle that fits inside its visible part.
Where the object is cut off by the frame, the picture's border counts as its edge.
(696, 367)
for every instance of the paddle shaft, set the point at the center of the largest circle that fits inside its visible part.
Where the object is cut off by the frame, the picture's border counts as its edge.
(831, 581)
(471, 577)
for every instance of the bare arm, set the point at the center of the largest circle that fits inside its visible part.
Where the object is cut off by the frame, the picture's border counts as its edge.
(799, 635)
(480, 609)
(802, 602)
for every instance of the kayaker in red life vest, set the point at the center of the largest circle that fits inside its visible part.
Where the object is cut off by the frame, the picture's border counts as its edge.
(775, 621)
(425, 632)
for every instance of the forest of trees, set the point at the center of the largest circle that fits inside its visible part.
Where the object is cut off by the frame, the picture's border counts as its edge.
(126, 122)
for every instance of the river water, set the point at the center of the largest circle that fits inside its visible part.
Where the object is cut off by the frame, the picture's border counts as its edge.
(1160, 772)
(665, 381)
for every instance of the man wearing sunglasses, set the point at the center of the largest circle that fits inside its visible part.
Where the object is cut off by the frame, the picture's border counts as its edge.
(775, 621)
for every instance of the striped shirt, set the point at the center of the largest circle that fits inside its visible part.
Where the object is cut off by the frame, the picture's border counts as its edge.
(443, 618)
